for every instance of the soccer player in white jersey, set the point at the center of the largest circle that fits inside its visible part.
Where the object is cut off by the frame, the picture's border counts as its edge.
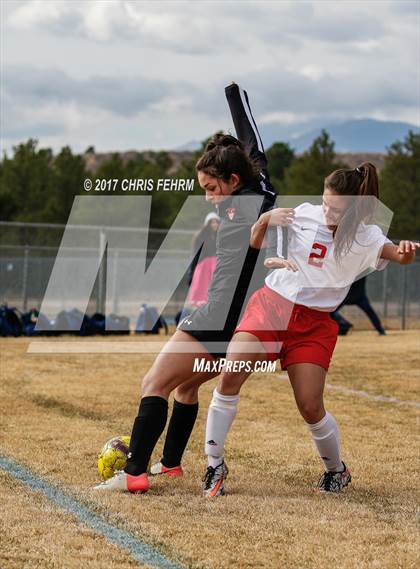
(329, 246)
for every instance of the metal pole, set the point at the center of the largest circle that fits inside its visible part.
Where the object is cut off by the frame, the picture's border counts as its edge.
(100, 301)
(385, 293)
(404, 297)
(114, 283)
(25, 280)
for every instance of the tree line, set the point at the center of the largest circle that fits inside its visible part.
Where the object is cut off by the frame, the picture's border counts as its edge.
(38, 186)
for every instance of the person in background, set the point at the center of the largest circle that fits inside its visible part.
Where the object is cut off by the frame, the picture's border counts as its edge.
(204, 263)
(357, 296)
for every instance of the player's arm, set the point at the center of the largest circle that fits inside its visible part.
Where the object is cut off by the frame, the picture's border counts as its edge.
(283, 216)
(404, 253)
(258, 231)
(244, 123)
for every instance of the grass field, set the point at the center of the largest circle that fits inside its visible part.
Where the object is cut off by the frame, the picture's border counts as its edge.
(58, 410)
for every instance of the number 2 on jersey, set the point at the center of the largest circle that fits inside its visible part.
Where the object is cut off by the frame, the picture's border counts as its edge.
(317, 255)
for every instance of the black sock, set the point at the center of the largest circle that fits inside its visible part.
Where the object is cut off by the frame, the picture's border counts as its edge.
(179, 431)
(147, 428)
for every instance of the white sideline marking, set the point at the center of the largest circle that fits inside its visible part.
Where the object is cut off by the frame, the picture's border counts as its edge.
(80, 347)
(130, 347)
(382, 398)
(138, 549)
(359, 393)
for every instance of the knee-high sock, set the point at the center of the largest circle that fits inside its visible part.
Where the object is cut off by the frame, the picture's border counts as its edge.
(147, 428)
(179, 431)
(327, 440)
(221, 414)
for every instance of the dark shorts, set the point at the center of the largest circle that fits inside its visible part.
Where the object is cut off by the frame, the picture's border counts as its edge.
(213, 325)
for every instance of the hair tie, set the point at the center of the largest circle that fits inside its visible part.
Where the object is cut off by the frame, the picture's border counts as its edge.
(360, 172)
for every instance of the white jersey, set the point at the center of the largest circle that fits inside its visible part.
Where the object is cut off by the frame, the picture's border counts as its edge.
(321, 282)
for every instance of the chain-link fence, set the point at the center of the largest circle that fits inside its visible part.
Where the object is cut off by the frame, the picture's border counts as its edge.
(28, 252)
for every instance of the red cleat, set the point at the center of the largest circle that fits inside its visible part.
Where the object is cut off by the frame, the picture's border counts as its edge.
(159, 468)
(124, 482)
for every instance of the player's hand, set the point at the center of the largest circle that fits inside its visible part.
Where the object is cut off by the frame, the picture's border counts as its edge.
(408, 247)
(278, 263)
(407, 251)
(283, 216)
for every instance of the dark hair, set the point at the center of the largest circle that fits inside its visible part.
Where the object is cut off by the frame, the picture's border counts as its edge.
(361, 181)
(223, 156)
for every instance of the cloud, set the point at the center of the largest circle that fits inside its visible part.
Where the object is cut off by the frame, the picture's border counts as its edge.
(49, 102)
(168, 26)
(406, 7)
(163, 65)
(51, 105)
(351, 94)
(201, 27)
(124, 96)
(19, 122)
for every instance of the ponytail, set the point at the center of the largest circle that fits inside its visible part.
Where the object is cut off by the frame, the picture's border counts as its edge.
(361, 181)
(369, 180)
(223, 156)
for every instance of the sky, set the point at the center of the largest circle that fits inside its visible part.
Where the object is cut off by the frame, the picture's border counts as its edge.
(123, 75)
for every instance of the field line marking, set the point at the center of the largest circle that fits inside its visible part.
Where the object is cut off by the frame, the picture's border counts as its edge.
(381, 398)
(138, 549)
(365, 394)
(96, 347)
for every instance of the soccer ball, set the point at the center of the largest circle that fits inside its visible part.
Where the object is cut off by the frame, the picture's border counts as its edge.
(113, 456)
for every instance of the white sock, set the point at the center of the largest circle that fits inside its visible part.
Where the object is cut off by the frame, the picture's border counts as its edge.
(327, 440)
(220, 416)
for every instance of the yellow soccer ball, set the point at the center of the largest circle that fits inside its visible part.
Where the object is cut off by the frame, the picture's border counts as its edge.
(113, 456)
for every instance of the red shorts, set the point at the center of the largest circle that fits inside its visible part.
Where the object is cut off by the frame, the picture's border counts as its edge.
(292, 332)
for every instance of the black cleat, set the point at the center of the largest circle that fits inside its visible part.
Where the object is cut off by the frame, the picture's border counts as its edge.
(334, 481)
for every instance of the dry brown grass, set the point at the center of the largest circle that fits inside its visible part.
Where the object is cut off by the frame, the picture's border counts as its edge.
(57, 411)
(35, 534)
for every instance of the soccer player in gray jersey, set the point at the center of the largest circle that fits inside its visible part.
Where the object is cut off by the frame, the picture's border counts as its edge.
(233, 174)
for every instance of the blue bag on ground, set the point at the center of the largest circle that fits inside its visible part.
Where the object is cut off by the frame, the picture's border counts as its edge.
(10, 321)
(117, 324)
(73, 322)
(97, 324)
(149, 322)
(34, 319)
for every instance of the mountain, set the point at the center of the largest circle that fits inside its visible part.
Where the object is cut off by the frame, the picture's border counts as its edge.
(190, 146)
(360, 135)
(355, 141)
